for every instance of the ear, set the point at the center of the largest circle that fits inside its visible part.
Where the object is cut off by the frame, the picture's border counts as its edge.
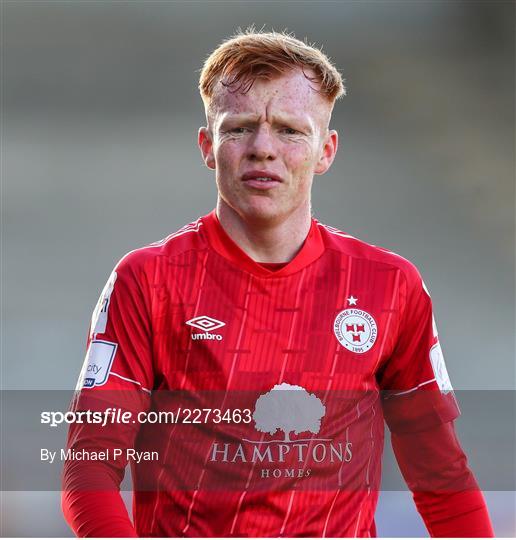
(205, 142)
(329, 150)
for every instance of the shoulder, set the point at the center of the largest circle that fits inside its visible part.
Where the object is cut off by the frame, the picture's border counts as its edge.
(347, 244)
(185, 239)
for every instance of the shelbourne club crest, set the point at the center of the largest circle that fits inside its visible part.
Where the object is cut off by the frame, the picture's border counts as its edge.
(356, 330)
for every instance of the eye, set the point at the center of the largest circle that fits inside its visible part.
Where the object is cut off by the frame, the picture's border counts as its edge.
(238, 130)
(290, 131)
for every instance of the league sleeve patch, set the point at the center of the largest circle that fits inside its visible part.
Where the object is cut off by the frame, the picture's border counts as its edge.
(97, 364)
(439, 367)
(99, 318)
(434, 327)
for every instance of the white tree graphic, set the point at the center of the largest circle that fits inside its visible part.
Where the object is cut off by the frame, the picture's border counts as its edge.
(289, 408)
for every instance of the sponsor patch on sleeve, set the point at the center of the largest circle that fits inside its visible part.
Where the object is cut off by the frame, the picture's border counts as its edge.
(439, 367)
(97, 364)
(99, 318)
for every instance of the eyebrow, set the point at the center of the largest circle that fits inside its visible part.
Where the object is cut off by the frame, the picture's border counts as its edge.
(278, 119)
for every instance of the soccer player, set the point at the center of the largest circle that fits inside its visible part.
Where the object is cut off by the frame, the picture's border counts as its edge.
(281, 344)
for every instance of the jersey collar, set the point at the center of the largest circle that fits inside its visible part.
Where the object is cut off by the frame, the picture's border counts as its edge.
(222, 243)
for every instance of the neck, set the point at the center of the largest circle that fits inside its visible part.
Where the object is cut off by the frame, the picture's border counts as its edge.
(267, 241)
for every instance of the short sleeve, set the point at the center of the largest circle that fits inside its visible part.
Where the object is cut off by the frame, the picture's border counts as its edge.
(416, 389)
(119, 350)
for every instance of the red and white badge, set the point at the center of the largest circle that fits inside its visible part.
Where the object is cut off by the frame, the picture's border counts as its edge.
(356, 330)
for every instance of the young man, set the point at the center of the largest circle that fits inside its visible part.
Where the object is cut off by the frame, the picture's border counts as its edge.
(289, 341)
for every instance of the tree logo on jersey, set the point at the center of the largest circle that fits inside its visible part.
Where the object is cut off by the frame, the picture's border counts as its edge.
(356, 330)
(292, 410)
(288, 408)
(207, 324)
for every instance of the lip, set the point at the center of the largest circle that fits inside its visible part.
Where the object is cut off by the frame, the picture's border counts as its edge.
(250, 179)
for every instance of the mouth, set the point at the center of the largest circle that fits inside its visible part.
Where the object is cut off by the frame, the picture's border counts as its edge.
(261, 179)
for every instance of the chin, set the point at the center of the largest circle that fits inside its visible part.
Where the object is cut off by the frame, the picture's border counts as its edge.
(261, 213)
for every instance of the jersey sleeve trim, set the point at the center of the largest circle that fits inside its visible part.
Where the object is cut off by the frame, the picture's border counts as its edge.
(131, 381)
(392, 394)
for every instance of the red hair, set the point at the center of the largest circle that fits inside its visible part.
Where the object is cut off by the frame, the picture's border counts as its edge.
(250, 55)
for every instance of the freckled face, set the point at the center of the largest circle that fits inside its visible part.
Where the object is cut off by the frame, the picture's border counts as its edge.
(277, 130)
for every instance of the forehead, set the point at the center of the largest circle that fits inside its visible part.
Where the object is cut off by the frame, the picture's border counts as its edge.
(291, 93)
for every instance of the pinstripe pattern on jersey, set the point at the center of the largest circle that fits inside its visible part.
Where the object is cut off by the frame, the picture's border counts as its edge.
(278, 328)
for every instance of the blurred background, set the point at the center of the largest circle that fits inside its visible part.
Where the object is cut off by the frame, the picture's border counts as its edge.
(100, 112)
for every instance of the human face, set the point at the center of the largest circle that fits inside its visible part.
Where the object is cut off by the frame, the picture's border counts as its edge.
(277, 130)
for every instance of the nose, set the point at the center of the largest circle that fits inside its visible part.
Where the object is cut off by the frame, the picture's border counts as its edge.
(262, 146)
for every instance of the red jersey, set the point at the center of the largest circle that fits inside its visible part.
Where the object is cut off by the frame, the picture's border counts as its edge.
(312, 357)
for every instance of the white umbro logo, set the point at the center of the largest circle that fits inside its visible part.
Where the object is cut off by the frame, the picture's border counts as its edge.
(205, 323)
